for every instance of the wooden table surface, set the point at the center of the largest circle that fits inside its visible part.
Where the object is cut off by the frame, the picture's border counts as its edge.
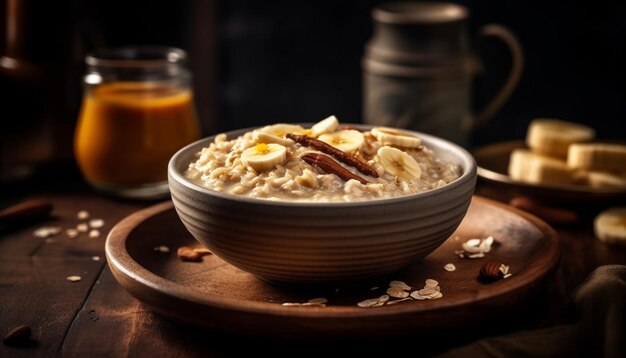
(96, 317)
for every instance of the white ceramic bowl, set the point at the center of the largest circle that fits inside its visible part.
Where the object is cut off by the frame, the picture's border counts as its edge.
(297, 243)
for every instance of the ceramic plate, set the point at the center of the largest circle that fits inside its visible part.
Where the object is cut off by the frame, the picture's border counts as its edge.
(493, 161)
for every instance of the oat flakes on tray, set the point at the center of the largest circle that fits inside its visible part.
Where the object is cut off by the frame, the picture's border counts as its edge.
(325, 163)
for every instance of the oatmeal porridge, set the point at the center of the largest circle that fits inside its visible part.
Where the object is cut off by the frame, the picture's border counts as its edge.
(325, 163)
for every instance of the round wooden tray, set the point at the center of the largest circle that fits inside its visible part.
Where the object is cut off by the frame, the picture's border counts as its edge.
(216, 295)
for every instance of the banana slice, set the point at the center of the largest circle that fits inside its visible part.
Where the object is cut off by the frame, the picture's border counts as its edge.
(396, 137)
(529, 167)
(399, 163)
(610, 225)
(347, 140)
(597, 156)
(281, 129)
(552, 137)
(605, 180)
(326, 125)
(264, 156)
(263, 137)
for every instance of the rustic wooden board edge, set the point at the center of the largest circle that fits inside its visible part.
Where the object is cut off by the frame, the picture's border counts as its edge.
(155, 290)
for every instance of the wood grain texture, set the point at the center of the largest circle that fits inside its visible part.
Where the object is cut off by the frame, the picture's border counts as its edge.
(33, 271)
(20, 241)
(112, 312)
(131, 327)
(216, 295)
(35, 293)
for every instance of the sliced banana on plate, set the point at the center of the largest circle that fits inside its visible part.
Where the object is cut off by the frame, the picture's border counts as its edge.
(399, 163)
(529, 167)
(552, 137)
(347, 140)
(597, 156)
(610, 225)
(396, 137)
(326, 125)
(605, 180)
(264, 156)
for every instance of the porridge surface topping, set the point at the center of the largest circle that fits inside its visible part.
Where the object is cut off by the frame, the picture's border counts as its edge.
(325, 163)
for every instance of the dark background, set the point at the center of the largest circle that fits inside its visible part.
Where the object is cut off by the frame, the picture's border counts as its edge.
(258, 62)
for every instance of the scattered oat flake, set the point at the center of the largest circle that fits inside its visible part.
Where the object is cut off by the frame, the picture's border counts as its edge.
(41, 232)
(475, 248)
(449, 267)
(417, 296)
(374, 288)
(83, 215)
(427, 291)
(317, 301)
(162, 248)
(488, 241)
(430, 291)
(397, 292)
(74, 278)
(399, 284)
(504, 269)
(71, 233)
(94, 234)
(507, 275)
(374, 302)
(471, 243)
(96, 223)
(314, 304)
(82, 227)
(436, 295)
(95, 258)
(47, 231)
(368, 303)
(398, 301)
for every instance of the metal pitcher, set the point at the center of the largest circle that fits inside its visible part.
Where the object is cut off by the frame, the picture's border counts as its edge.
(418, 69)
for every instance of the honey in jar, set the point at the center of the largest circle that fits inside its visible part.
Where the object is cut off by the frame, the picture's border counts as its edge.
(137, 111)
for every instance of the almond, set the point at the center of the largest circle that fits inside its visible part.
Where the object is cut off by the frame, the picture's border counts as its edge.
(490, 271)
(188, 254)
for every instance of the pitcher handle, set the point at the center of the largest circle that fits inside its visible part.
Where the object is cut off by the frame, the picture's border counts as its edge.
(517, 67)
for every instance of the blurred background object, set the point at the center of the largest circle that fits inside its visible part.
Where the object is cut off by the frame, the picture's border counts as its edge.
(419, 65)
(262, 62)
(34, 70)
(137, 111)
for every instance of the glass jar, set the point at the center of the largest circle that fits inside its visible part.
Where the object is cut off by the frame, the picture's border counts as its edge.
(137, 111)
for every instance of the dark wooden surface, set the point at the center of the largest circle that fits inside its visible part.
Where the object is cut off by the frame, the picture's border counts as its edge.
(97, 317)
